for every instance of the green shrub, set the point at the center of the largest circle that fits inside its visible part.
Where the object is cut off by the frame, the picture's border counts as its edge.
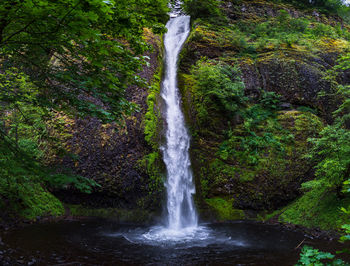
(204, 9)
(336, 7)
(310, 256)
(321, 30)
(218, 87)
(331, 151)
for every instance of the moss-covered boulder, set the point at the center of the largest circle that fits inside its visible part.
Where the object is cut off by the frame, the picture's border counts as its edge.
(33, 202)
(223, 209)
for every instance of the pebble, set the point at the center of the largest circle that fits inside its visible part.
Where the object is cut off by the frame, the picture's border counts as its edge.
(32, 262)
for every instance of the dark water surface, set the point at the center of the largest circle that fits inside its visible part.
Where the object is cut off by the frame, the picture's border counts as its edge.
(97, 242)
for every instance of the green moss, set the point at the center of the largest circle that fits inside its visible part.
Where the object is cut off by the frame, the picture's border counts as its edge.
(305, 124)
(224, 209)
(152, 119)
(122, 215)
(152, 163)
(152, 116)
(308, 123)
(36, 202)
(317, 208)
(270, 215)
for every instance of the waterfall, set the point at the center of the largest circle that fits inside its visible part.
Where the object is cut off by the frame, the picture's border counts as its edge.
(179, 185)
(182, 222)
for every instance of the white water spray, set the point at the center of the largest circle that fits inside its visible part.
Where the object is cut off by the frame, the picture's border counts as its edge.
(179, 185)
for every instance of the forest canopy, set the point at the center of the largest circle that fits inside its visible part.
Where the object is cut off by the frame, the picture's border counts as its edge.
(76, 50)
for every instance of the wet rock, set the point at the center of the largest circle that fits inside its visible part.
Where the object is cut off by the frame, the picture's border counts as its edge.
(298, 81)
(32, 262)
(285, 106)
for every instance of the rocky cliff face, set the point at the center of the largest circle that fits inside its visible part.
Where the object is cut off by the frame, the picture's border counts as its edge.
(254, 158)
(114, 154)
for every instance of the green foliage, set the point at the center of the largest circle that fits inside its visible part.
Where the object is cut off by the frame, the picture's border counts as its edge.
(307, 109)
(331, 151)
(346, 235)
(247, 142)
(218, 88)
(67, 55)
(252, 36)
(20, 186)
(252, 142)
(25, 136)
(286, 28)
(335, 7)
(152, 163)
(81, 183)
(76, 51)
(311, 256)
(244, 142)
(36, 202)
(22, 178)
(345, 227)
(343, 62)
(283, 30)
(204, 9)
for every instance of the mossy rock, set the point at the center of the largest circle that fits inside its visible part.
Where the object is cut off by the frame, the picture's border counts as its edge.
(298, 78)
(270, 183)
(317, 208)
(36, 202)
(224, 209)
(302, 125)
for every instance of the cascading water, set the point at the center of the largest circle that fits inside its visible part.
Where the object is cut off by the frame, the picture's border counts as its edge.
(181, 210)
(182, 224)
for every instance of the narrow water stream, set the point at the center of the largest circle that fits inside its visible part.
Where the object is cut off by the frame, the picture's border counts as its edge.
(181, 210)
